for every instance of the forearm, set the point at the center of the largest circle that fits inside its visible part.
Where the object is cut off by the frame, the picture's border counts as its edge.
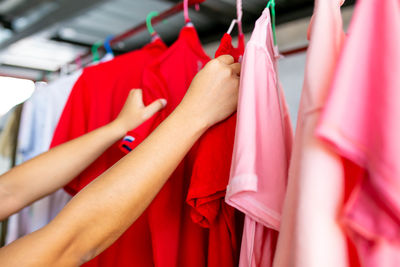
(130, 185)
(102, 211)
(48, 172)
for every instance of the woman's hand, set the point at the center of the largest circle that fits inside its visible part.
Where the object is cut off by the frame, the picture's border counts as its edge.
(213, 94)
(126, 189)
(134, 112)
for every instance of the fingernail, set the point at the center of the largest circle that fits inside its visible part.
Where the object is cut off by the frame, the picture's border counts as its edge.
(163, 102)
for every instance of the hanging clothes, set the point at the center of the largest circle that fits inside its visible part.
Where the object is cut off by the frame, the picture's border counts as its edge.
(209, 178)
(262, 148)
(178, 241)
(226, 47)
(8, 148)
(6, 140)
(171, 76)
(8, 137)
(39, 118)
(95, 100)
(361, 123)
(41, 115)
(310, 234)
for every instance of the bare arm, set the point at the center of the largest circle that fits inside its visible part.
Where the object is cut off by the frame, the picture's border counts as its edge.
(119, 196)
(50, 171)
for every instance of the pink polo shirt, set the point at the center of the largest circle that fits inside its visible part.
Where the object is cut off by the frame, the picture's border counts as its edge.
(310, 235)
(262, 148)
(361, 121)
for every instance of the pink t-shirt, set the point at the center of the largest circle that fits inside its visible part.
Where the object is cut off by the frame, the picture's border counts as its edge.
(361, 121)
(262, 148)
(310, 235)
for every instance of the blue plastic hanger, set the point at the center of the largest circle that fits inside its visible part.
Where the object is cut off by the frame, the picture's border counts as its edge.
(107, 45)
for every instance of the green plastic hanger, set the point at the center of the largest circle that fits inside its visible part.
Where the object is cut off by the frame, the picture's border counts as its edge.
(150, 28)
(95, 51)
(271, 6)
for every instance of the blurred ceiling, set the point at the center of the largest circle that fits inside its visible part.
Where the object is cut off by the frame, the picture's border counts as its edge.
(46, 34)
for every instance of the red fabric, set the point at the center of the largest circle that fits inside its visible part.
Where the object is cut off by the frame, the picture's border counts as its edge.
(207, 165)
(177, 240)
(170, 77)
(226, 47)
(210, 178)
(95, 100)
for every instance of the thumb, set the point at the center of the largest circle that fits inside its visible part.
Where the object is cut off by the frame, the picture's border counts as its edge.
(154, 107)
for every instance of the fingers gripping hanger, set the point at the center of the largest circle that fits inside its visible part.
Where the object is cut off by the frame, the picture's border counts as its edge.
(271, 6)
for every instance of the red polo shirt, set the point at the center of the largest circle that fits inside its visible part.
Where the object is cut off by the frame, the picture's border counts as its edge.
(210, 178)
(178, 241)
(96, 99)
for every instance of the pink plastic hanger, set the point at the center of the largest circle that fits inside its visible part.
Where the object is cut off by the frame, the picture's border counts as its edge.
(186, 10)
(238, 20)
(186, 13)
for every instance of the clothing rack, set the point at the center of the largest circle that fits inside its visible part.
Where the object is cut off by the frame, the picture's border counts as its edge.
(155, 20)
(18, 77)
(294, 51)
(141, 27)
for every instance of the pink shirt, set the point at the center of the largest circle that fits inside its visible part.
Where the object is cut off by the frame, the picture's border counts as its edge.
(310, 235)
(262, 148)
(362, 123)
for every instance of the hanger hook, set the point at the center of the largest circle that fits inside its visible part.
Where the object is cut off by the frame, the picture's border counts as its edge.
(239, 12)
(78, 61)
(238, 20)
(149, 17)
(95, 51)
(271, 5)
(186, 10)
(107, 45)
(232, 26)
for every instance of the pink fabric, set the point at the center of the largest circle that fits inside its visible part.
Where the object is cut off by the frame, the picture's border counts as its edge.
(362, 122)
(262, 148)
(310, 235)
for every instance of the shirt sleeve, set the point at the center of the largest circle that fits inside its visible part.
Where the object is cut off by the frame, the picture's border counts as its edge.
(206, 194)
(133, 138)
(210, 173)
(152, 88)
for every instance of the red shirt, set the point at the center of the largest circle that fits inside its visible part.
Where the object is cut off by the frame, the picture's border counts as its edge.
(207, 165)
(226, 47)
(178, 240)
(210, 178)
(96, 99)
(181, 242)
